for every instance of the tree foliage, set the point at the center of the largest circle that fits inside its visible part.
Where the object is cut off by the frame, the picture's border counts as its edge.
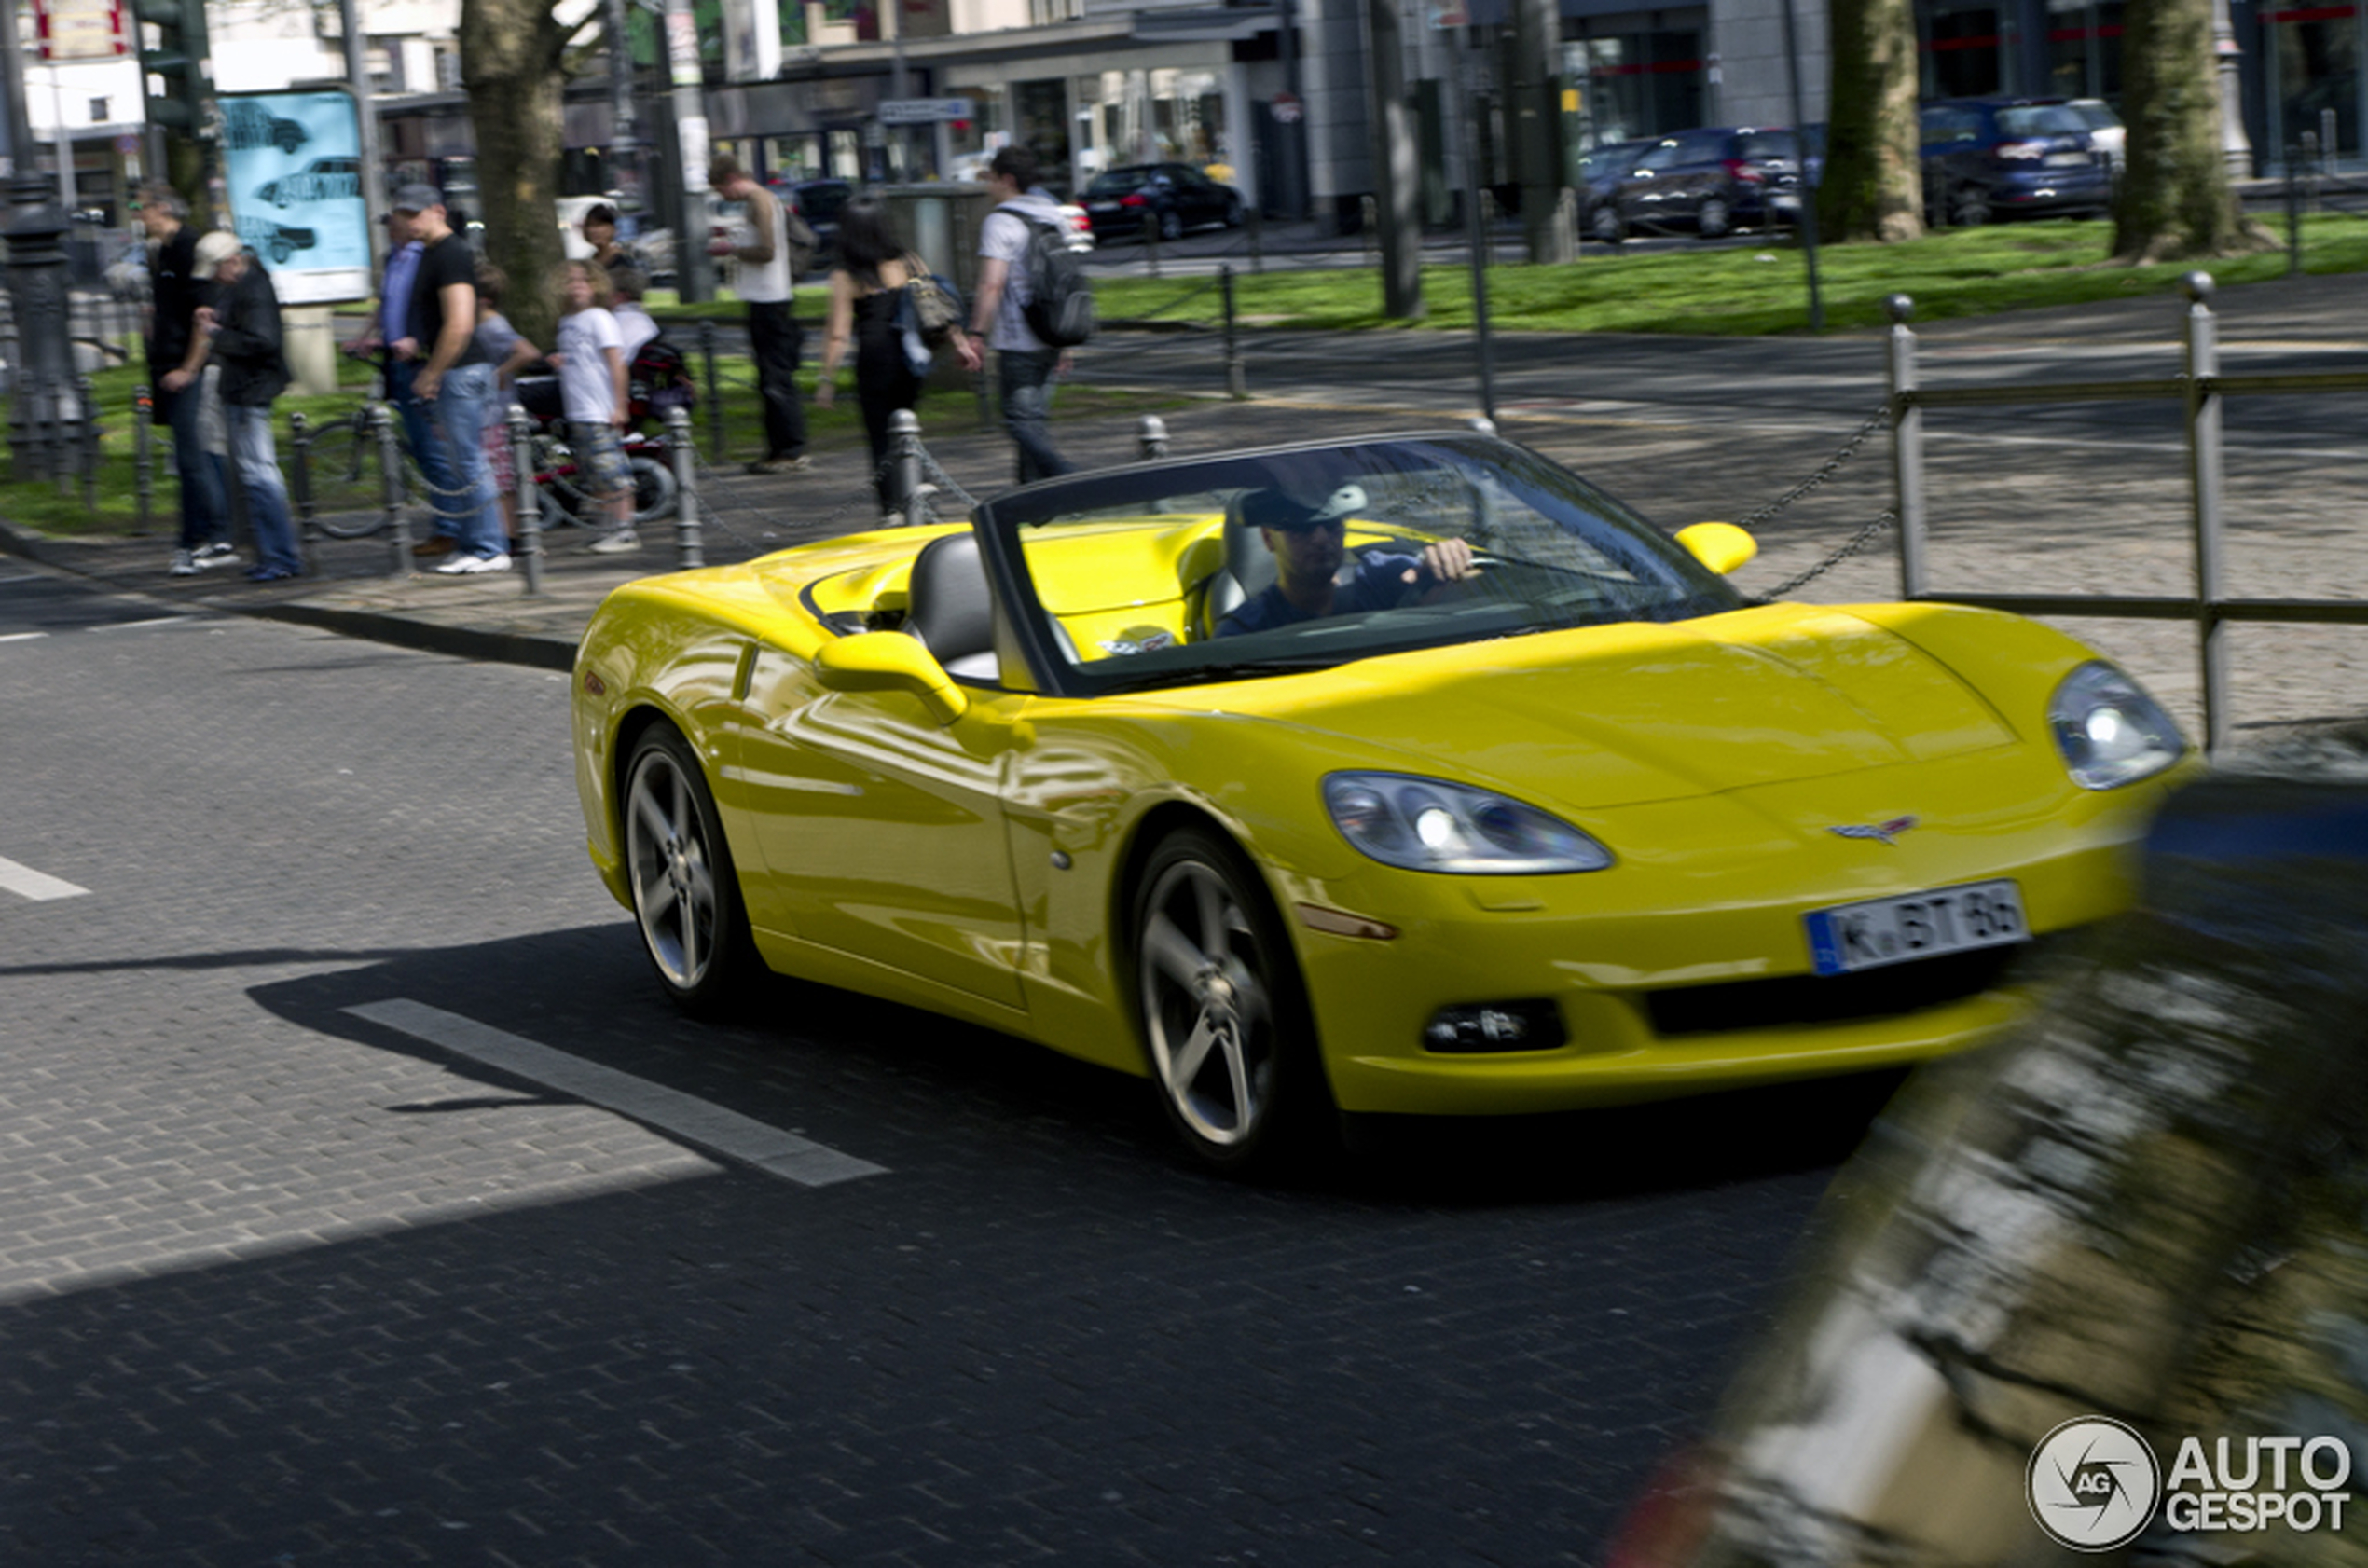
(2175, 199)
(1872, 187)
(512, 53)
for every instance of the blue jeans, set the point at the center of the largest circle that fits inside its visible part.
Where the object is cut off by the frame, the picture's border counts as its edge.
(418, 433)
(257, 457)
(1023, 380)
(463, 403)
(205, 512)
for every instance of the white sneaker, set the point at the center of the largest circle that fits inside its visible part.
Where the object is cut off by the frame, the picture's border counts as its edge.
(471, 566)
(216, 554)
(184, 564)
(616, 544)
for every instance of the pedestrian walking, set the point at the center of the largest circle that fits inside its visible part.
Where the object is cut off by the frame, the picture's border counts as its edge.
(508, 351)
(242, 334)
(455, 380)
(1025, 363)
(593, 397)
(391, 326)
(868, 285)
(176, 291)
(767, 285)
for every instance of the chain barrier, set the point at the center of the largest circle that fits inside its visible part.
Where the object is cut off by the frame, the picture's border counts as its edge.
(1858, 543)
(1831, 466)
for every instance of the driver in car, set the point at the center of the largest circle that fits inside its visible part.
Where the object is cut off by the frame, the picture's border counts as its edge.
(1309, 546)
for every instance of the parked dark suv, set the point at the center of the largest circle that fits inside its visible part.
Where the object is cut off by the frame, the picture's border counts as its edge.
(1987, 158)
(1176, 196)
(1711, 181)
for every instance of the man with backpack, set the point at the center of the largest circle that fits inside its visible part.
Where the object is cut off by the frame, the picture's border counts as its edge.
(1029, 297)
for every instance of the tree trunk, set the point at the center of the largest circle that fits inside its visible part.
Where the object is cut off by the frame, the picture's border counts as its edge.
(2175, 200)
(1873, 185)
(511, 52)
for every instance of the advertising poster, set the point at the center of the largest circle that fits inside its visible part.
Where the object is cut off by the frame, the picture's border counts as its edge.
(293, 162)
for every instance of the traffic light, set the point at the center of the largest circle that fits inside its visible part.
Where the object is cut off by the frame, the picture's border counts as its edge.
(176, 68)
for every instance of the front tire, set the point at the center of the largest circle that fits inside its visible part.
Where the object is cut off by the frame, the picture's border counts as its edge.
(1713, 218)
(1171, 225)
(1609, 227)
(686, 894)
(1970, 208)
(1227, 1031)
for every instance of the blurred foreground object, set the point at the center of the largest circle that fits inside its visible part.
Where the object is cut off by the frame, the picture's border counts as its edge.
(2148, 1203)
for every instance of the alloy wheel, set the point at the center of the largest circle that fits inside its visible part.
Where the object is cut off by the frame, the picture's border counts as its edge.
(1208, 1008)
(668, 860)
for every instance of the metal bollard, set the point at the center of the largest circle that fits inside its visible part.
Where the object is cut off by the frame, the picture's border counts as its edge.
(530, 497)
(144, 456)
(714, 402)
(1906, 443)
(687, 550)
(391, 490)
(1154, 439)
(2327, 141)
(1257, 242)
(89, 443)
(904, 460)
(1482, 424)
(300, 490)
(1151, 240)
(2205, 470)
(2295, 153)
(1368, 223)
(1237, 381)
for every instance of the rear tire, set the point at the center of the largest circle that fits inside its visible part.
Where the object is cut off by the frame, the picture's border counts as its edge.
(1171, 225)
(346, 483)
(653, 490)
(686, 892)
(1608, 227)
(1227, 1031)
(1969, 208)
(1714, 219)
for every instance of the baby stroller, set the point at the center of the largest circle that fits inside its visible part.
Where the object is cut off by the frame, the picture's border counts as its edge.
(657, 380)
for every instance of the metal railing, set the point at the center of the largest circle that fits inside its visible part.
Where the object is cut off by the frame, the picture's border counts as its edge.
(2201, 388)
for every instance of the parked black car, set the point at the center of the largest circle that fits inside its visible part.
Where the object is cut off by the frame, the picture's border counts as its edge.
(1176, 196)
(1600, 172)
(1988, 158)
(1711, 181)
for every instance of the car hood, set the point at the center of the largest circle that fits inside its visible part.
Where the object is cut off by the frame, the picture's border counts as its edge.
(1610, 716)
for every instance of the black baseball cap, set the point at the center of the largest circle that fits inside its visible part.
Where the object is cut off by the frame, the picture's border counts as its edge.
(1275, 509)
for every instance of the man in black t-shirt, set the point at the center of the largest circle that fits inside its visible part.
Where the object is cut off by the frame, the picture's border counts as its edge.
(455, 379)
(176, 291)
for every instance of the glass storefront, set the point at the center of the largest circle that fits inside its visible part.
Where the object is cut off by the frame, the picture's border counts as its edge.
(2314, 64)
(1640, 82)
(2083, 48)
(1150, 117)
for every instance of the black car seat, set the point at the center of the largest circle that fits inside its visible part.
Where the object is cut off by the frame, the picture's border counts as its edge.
(950, 609)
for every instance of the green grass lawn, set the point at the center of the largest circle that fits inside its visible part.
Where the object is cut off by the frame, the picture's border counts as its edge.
(1744, 292)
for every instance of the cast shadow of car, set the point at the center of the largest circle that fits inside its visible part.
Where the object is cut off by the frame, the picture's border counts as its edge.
(912, 1089)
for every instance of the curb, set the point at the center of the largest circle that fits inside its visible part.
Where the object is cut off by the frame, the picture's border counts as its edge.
(468, 642)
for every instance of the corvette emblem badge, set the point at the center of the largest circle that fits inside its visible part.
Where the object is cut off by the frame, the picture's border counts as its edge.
(1887, 832)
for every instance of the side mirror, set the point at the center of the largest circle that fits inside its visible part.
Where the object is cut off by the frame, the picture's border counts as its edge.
(890, 661)
(1720, 547)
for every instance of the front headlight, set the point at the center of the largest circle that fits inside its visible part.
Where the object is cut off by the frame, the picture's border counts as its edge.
(2111, 733)
(1426, 824)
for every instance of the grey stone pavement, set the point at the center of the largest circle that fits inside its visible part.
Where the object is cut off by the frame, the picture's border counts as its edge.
(2086, 498)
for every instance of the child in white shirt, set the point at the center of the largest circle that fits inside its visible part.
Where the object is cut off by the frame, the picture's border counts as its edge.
(593, 397)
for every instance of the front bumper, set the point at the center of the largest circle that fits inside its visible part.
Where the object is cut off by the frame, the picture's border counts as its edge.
(1609, 950)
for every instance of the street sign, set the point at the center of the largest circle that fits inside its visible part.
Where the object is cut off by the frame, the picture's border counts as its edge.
(1287, 108)
(292, 165)
(80, 29)
(925, 111)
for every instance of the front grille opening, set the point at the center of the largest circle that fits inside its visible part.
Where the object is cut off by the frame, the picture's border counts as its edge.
(1809, 998)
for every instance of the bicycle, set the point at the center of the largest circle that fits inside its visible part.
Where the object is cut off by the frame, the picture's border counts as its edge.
(342, 476)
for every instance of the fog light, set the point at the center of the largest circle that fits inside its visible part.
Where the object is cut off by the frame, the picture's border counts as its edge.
(1527, 1026)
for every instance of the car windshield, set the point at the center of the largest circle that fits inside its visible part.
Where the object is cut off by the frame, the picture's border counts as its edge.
(1164, 577)
(822, 202)
(1761, 147)
(2041, 119)
(1118, 181)
(2097, 117)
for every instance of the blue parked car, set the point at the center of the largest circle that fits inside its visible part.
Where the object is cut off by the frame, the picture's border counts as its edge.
(1985, 159)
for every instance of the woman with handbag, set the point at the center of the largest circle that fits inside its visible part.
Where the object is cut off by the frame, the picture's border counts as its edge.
(874, 285)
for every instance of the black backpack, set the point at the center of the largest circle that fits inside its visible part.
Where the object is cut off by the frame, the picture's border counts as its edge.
(1059, 308)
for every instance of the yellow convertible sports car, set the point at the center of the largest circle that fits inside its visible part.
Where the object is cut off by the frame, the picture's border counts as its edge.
(1409, 775)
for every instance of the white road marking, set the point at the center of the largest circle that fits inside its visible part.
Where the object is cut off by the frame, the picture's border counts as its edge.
(765, 1147)
(22, 636)
(27, 883)
(135, 625)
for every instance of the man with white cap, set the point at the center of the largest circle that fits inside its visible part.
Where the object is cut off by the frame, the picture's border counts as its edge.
(455, 379)
(241, 332)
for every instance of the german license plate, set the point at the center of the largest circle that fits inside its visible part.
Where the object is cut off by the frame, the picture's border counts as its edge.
(2065, 160)
(1864, 936)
